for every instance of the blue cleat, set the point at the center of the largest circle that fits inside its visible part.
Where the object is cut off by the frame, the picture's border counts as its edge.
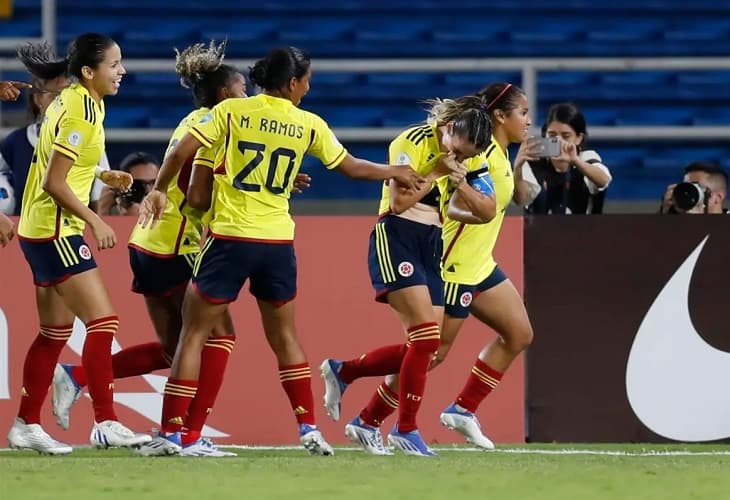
(367, 436)
(66, 391)
(313, 441)
(334, 387)
(466, 423)
(410, 443)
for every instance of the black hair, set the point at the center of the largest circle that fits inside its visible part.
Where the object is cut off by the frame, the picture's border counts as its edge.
(201, 68)
(85, 50)
(469, 116)
(136, 158)
(568, 113)
(711, 168)
(502, 96)
(44, 65)
(280, 65)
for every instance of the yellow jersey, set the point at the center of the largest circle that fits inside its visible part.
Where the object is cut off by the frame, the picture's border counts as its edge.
(468, 258)
(179, 230)
(264, 139)
(418, 147)
(73, 127)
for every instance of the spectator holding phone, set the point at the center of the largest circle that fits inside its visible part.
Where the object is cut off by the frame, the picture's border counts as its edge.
(562, 177)
(143, 168)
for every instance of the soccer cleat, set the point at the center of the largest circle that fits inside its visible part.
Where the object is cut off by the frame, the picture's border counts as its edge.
(33, 437)
(367, 436)
(410, 443)
(313, 441)
(112, 433)
(160, 445)
(334, 388)
(65, 393)
(466, 424)
(204, 447)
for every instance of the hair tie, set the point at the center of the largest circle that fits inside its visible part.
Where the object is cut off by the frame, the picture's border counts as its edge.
(494, 101)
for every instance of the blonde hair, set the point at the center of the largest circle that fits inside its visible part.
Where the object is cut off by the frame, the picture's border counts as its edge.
(443, 111)
(468, 114)
(196, 62)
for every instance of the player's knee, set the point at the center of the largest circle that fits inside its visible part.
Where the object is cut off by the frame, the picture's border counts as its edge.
(520, 339)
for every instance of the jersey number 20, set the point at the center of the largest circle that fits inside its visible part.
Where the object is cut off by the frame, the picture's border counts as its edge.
(274, 157)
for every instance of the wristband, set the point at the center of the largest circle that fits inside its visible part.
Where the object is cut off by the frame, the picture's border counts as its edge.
(98, 172)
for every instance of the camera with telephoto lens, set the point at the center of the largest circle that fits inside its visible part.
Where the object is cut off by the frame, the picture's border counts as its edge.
(136, 192)
(690, 195)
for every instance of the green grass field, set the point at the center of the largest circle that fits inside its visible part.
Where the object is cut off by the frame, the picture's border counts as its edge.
(591, 472)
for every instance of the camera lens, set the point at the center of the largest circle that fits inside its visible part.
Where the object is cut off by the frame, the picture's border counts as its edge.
(686, 196)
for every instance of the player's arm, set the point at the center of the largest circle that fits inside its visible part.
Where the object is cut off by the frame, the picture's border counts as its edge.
(470, 206)
(332, 154)
(200, 188)
(402, 199)
(55, 184)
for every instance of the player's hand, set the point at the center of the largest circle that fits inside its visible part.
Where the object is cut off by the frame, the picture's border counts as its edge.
(152, 208)
(7, 230)
(104, 235)
(407, 177)
(117, 179)
(457, 174)
(440, 355)
(445, 165)
(10, 91)
(301, 182)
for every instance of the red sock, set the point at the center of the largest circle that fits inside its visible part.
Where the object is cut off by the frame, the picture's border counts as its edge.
(297, 383)
(481, 381)
(423, 343)
(97, 360)
(38, 370)
(383, 403)
(213, 360)
(380, 362)
(176, 400)
(130, 362)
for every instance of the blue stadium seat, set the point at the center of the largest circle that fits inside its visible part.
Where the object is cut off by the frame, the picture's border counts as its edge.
(393, 36)
(654, 116)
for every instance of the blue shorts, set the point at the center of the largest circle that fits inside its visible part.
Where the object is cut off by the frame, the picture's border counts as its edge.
(459, 297)
(405, 253)
(55, 261)
(159, 276)
(223, 266)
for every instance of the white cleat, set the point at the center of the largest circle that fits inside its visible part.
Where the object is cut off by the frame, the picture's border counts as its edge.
(367, 436)
(65, 393)
(333, 387)
(33, 437)
(204, 447)
(111, 433)
(314, 442)
(466, 424)
(159, 446)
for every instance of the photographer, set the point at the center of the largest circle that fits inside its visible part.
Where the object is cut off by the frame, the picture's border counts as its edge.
(566, 180)
(702, 191)
(143, 168)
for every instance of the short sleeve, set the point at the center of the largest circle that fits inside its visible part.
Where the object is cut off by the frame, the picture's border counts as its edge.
(205, 157)
(212, 126)
(592, 158)
(404, 152)
(324, 145)
(73, 136)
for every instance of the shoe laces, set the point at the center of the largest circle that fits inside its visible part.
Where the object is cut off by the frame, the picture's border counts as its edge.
(120, 429)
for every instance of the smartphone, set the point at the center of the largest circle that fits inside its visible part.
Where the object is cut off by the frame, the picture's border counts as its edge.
(547, 146)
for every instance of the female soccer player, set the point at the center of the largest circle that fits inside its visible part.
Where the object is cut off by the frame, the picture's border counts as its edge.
(162, 257)
(473, 282)
(404, 256)
(52, 222)
(265, 138)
